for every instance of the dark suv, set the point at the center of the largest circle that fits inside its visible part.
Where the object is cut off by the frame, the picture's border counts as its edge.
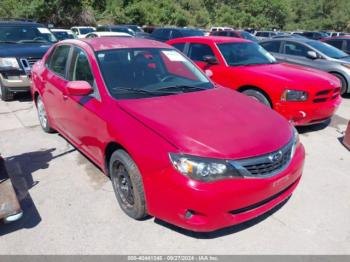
(165, 34)
(21, 45)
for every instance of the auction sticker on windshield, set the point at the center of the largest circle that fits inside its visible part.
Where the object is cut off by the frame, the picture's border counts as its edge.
(173, 56)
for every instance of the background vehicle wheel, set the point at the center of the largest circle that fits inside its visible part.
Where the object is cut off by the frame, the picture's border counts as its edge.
(257, 95)
(42, 115)
(344, 85)
(127, 184)
(5, 94)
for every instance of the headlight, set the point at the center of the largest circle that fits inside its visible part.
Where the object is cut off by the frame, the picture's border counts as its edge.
(346, 65)
(9, 62)
(296, 140)
(294, 95)
(203, 169)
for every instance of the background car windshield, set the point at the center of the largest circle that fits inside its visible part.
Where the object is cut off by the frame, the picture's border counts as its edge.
(26, 34)
(86, 30)
(187, 33)
(249, 36)
(328, 50)
(145, 72)
(245, 54)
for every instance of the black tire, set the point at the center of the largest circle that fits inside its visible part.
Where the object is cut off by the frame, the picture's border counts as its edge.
(127, 184)
(5, 94)
(344, 85)
(42, 115)
(257, 95)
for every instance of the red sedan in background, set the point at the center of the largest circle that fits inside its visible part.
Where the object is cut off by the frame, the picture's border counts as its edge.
(304, 96)
(175, 145)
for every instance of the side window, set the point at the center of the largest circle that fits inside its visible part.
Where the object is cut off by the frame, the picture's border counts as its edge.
(198, 51)
(273, 46)
(233, 34)
(222, 33)
(58, 61)
(179, 46)
(80, 67)
(175, 34)
(296, 49)
(347, 49)
(336, 43)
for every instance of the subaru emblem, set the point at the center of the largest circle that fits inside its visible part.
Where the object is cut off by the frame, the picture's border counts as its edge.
(276, 156)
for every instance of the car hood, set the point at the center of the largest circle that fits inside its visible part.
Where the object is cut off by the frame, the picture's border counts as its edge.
(36, 50)
(214, 123)
(294, 76)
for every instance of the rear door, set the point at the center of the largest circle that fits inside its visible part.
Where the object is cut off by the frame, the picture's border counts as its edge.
(55, 76)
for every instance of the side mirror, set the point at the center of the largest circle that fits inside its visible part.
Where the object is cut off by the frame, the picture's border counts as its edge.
(312, 55)
(210, 60)
(78, 88)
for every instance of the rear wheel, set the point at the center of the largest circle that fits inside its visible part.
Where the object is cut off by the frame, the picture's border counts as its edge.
(42, 115)
(258, 96)
(344, 85)
(5, 94)
(127, 184)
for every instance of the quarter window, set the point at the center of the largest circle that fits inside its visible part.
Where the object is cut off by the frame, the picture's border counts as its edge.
(197, 52)
(58, 61)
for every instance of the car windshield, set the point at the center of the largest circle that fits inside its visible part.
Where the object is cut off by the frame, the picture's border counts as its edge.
(85, 30)
(328, 50)
(26, 34)
(191, 32)
(237, 54)
(61, 35)
(248, 36)
(146, 72)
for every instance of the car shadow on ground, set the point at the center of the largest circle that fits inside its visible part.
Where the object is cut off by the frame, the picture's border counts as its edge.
(225, 231)
(20, 169)
(23, 97)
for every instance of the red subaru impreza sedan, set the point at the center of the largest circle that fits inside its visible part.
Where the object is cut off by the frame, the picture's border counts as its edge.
(175, 145)
(303, 95)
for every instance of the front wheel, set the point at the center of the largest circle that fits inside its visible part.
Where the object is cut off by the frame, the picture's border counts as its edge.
(258, 96)
(344, 85)
(127, 184)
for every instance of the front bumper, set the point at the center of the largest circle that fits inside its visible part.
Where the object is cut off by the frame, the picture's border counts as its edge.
(15, 82)
(219, 204)
(308, 113)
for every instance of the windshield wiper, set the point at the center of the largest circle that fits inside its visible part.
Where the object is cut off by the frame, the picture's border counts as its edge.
(143, 91)
(182, 87)
(9, 42)
(33, 41)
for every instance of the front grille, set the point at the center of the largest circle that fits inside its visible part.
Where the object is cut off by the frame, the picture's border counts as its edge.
(28, 62)
(266, 165)
(326, 95)
(32, 60)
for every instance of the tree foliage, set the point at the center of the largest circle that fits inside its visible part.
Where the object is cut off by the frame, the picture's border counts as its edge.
(282, 14)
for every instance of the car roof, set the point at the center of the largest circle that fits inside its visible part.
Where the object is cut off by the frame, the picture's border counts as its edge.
(20, 23)
(99, 44)
(336, 37)
(212, 39)
(292, 39)
(108, 33)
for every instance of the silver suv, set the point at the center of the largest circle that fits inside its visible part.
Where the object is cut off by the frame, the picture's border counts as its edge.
(314, 54)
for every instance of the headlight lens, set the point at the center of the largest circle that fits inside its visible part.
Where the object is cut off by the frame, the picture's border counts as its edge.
(9, 62)
(346, 65)
(294, 95)
(203, 169)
